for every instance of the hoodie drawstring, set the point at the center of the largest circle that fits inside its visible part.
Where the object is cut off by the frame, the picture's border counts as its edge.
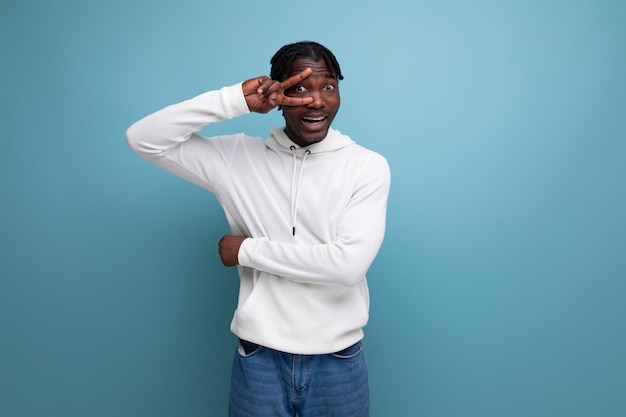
(295, 188)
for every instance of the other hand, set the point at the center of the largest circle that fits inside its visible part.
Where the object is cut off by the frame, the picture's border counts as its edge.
(229, 249)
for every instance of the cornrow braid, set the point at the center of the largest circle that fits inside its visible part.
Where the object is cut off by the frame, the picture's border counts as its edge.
(283, 59)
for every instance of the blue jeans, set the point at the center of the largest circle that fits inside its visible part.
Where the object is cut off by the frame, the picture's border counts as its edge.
(269, 383)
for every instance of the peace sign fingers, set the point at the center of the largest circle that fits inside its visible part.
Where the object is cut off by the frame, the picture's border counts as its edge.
(284, 100)
(295, 79)
(263, 94)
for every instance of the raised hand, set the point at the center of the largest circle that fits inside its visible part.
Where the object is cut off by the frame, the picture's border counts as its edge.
(262, 94)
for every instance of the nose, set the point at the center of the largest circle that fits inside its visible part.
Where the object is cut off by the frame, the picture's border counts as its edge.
(318, 100)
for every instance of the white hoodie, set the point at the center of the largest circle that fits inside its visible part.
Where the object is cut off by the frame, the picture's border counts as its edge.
(315, 218)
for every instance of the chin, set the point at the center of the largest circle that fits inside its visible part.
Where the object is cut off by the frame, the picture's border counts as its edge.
(311, 141)
(306, 138)
(316, 137)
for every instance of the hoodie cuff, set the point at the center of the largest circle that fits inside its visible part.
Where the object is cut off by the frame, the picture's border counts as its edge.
(237, 105)
(246, 249)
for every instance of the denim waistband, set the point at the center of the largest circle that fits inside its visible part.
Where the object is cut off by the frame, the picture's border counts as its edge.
(249, 347)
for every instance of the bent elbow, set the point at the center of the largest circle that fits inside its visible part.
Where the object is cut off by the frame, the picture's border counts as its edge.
(133, 138)
(136, 141)
(348, 265)
(350, 276)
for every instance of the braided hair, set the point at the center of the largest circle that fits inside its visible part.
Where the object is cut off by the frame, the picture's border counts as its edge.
(283, 59)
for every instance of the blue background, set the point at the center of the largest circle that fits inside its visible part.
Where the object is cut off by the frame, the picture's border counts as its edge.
(499, 291)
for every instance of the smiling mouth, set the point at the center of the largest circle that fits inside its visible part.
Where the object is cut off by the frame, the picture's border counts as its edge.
(314, 120)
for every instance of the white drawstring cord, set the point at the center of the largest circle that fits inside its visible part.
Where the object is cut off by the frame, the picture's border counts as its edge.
(295, 190)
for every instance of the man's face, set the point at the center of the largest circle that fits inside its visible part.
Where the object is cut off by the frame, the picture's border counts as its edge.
(309, 124)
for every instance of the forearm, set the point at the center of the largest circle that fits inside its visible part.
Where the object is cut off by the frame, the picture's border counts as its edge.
(343, 261)
(168, 137)
(339, 263)
(162, 131)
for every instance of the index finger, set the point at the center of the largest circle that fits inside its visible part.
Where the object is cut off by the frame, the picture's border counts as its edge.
(294, 101)
(295, 79)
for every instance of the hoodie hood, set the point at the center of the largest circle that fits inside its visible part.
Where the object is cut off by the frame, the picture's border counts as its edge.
(333, 141)
(279, 141)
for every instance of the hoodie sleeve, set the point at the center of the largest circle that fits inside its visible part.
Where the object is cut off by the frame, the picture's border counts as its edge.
(169, 139)
(346, 259)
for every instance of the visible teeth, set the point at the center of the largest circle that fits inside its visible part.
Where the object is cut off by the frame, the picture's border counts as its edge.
(313, 120)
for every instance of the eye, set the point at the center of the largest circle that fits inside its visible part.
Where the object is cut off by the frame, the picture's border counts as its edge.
(329, 87)
(299, 89)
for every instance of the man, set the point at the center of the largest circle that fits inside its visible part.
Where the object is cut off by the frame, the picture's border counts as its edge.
(307, 212)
